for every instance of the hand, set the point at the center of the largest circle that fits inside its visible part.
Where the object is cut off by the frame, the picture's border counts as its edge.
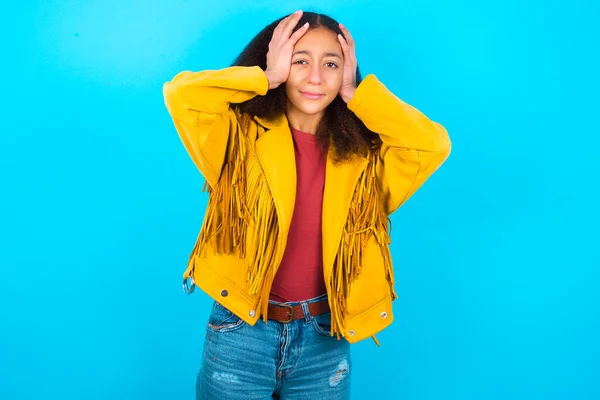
(350, 65)
(281, 47)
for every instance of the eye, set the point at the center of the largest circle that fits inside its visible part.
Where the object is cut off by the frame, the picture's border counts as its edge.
(331, 64)
(300, 62)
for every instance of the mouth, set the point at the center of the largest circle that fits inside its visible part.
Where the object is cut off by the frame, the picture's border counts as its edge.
(312, 95)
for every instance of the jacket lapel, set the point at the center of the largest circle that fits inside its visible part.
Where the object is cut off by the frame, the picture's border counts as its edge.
(340, 182)
(275, 150)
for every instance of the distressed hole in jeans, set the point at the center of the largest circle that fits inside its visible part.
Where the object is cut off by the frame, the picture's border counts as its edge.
(225, 377)
(340, 373)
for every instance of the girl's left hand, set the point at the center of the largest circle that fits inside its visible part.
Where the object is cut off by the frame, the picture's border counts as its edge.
(350, 64)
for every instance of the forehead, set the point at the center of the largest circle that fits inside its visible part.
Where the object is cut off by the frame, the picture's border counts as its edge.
(318, 40)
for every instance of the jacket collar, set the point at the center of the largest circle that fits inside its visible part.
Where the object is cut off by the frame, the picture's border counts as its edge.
(277, 122)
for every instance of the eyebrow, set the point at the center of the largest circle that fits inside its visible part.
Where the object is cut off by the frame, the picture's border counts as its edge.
(327, 54)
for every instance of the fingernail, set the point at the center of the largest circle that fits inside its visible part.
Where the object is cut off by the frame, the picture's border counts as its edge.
(298, 12)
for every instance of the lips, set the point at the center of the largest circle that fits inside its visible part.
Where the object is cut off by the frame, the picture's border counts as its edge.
(312, 95)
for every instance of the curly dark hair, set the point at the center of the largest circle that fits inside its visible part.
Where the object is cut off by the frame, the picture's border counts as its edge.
(348, 134)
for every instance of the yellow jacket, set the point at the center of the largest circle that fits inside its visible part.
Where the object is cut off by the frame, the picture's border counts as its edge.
(249, 165)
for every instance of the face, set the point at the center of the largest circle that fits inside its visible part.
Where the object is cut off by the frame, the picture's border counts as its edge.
(316, 72)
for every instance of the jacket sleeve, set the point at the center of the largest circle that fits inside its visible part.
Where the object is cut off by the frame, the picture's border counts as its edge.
(413, 148)
(199, 103)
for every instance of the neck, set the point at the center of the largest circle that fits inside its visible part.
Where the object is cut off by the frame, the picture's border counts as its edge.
(308, 123)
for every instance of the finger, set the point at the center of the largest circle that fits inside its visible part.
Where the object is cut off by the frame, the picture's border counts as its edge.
(283, 23)
(344, 45)
(291, 23)
(347, 35)
(287, 21)
(299, 33)
(349, 51)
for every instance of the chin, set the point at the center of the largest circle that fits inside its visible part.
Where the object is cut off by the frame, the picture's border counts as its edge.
(312, 110)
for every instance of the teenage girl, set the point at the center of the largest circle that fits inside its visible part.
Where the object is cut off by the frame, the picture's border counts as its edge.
(304, 162)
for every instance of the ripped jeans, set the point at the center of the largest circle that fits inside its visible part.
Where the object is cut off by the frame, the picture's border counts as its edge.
(293, 361)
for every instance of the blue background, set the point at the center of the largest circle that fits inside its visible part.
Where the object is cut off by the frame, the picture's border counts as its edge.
(496, 260)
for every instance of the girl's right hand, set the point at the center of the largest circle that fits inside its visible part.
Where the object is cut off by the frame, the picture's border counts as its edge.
(281, 47)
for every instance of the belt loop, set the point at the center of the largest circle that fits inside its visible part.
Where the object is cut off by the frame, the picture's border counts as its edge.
(307, 316)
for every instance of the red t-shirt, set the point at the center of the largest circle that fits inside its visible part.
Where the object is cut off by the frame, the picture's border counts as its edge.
(300, 274)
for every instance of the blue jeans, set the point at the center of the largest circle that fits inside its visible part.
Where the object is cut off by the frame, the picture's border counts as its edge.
(273, 360)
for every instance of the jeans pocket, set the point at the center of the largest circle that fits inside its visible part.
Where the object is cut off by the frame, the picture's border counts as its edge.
(223, 320)
(322, 324)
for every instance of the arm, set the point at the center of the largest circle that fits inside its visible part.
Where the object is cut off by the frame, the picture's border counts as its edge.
(199, 104)
(414, 147)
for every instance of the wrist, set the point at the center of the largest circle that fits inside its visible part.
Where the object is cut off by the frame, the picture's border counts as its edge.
(272, 78)
(347, 94)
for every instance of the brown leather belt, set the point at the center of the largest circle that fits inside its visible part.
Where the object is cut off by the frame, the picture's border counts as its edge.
(286, 313)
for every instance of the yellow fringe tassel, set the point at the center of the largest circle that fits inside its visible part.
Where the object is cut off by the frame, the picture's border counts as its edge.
(240, 201)
(366, 218)
(375, 340)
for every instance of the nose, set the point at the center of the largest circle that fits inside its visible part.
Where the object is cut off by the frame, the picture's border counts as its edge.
(314, 76)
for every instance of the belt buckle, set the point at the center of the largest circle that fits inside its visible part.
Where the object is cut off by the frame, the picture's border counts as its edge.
(291, 317)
